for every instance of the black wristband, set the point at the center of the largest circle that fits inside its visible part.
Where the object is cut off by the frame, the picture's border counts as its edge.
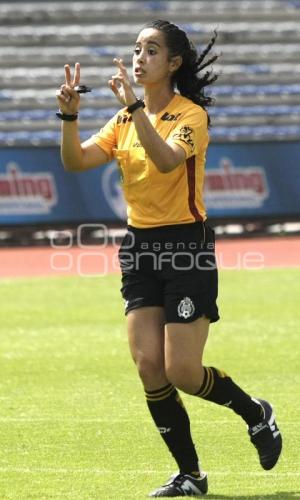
(136, 105)
(66, 118)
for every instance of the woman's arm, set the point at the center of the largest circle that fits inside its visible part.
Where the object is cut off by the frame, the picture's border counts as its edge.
(76, 157)
(166, 157)
(163, 155)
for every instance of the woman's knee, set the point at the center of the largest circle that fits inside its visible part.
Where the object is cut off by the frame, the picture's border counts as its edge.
(146, 341)
(184, 375)
(151, 371)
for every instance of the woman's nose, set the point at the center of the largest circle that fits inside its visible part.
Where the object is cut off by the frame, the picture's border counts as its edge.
(140, 57)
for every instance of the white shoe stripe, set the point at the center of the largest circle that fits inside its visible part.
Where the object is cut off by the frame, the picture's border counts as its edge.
(271, 419)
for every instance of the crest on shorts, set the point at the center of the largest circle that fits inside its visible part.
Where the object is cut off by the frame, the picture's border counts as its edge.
(186, 308)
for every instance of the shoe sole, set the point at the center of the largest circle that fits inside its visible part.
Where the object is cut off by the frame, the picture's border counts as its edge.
(203, 491)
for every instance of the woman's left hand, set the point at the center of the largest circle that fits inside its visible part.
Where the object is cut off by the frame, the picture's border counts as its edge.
(121, 86)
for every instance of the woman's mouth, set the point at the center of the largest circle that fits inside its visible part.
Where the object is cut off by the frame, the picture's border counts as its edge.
(139, 71)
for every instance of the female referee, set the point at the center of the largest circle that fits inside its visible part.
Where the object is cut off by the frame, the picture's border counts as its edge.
(169, 275)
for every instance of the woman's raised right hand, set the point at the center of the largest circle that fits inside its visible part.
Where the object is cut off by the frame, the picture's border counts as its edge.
(68, 99)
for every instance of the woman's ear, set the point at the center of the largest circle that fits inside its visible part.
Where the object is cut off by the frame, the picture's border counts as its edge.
(175, 63)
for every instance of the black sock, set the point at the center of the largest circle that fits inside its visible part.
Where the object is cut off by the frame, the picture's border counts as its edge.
(218, 387)
(173, 423)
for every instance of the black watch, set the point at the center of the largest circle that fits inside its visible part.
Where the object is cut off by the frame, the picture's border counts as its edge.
(66, 118)
(136, 105)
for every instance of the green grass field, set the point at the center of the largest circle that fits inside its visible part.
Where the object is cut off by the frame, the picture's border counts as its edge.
(73, 421)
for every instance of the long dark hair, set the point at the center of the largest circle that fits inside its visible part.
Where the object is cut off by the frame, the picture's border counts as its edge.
(188, 80)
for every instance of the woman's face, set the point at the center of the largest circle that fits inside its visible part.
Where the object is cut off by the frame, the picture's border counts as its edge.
(151, 64)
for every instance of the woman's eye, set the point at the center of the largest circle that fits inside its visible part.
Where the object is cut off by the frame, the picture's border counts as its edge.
(136, 51)
(151, 52)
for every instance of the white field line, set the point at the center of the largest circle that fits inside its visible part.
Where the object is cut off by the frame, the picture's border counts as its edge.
(68, 470)
(96, 420)
(74, 420)
(64, 419)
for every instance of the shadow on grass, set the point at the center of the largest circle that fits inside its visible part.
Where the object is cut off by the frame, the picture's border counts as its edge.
(280, 495)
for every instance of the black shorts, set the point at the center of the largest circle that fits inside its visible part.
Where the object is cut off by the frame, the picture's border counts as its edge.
(173, 267)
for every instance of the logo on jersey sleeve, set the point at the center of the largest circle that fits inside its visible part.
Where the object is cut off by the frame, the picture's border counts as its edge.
(186, 135)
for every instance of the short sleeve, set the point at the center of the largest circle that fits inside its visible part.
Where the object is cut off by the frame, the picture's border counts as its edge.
(106, 138)
(191, 131)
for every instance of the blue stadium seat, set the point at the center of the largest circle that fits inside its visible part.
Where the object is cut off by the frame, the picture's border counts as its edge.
(247, 90)
(257, 133)
(5, 95)
(106, 113)
(256, 110)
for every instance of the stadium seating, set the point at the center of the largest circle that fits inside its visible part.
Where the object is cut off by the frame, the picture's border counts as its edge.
(257, 93)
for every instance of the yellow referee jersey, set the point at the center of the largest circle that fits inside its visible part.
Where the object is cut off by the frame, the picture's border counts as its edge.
(155, 198)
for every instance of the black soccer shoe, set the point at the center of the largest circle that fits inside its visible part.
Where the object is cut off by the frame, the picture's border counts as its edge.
(183, 485)
(266, 437)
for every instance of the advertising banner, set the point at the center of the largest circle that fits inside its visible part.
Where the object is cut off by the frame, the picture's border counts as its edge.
(245, 180)
(242, 180)
(34, 188)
